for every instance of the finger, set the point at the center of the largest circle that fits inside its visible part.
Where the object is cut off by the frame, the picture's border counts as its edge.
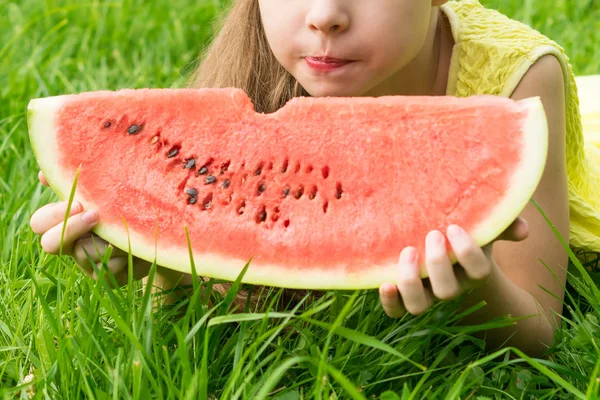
(42, 178)
(517, 231)
(141, 269)
(117, 266)
(390, 301)
(444, 284)
(470, 256)
(414, 296)
(97, 249)
(77, 226)
(51, 215)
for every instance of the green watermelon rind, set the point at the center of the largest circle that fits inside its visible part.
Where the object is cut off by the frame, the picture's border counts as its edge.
(41, 114)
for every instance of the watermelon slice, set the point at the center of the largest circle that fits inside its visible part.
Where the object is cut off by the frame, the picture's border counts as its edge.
(322, 194)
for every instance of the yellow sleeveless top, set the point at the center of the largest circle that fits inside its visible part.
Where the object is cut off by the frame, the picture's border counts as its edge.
(491, 55)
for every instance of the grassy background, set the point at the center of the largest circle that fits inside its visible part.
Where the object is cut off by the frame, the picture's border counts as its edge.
(64, 336)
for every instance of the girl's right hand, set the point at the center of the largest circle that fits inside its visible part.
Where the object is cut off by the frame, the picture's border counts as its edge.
(48, 221)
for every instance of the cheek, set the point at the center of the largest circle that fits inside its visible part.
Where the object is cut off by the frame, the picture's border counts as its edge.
(278, 23)
(400, 36)
(280, 45)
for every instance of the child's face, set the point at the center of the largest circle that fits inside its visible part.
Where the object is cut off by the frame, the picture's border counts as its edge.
(373, 39)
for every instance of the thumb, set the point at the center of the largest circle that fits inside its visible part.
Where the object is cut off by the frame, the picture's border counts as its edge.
(516, 232)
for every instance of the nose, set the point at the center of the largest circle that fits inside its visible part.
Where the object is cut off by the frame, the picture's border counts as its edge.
(327, 17)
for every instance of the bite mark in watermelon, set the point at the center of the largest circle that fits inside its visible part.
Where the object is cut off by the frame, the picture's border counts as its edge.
(322, 194)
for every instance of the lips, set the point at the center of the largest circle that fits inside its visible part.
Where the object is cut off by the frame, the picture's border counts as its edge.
(326, 64)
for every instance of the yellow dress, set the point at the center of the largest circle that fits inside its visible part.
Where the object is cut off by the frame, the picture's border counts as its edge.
(491, 55)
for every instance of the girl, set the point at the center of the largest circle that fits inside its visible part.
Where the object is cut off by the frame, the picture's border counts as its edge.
(276, 50)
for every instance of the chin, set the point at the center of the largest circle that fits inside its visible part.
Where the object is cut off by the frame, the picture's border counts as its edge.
(328, 90)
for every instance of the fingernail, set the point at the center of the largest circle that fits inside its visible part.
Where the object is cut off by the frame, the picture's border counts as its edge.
(76, 206)
(408, 255)
(408, 268)
(90, 217)
(435, 237)
(455, 231)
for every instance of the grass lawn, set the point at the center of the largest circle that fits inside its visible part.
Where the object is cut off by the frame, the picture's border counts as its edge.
(63, 336)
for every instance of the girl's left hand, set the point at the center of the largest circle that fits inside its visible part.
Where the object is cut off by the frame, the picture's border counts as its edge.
(447, 281)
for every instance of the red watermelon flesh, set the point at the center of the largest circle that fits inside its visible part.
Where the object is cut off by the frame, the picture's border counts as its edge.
(322, 194)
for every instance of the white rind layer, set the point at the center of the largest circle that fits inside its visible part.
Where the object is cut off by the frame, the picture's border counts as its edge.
(42, 130)
(526, 178)
(42, 133)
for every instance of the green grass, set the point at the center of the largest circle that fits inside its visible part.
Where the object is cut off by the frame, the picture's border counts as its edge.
(65, 336)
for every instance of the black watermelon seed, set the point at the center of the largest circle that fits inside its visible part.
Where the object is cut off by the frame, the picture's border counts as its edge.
(261, 215)
(258, 172)
(191, 192)
(192, 200)
(286, 192)
(338, 190)
(107, 124)
(262, 187)
(189, 163)
(173, 152)
(133, 129)
(209, 180)
(226, 183)
(203, 171)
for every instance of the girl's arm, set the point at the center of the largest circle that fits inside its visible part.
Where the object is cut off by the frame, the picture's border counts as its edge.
(516, 287)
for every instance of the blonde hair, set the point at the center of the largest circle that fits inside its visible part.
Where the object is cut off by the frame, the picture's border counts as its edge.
(240, 57)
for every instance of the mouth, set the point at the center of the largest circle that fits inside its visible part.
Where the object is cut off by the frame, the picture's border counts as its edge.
(326, 64)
